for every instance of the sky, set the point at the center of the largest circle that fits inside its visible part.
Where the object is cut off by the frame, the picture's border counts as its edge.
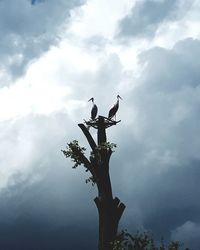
(55, 56)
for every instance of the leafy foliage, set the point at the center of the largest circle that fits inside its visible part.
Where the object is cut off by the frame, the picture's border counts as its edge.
(107, 146)
(74, 151)
(142, 241)
(90, 179)
(97, 153)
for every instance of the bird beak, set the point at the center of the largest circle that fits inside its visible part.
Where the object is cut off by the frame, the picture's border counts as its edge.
(90, 99)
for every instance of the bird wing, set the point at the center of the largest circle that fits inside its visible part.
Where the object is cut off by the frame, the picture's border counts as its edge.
(111, 112)
(94, 111)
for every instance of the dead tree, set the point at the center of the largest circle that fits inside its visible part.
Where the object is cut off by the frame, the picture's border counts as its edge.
(110, 210)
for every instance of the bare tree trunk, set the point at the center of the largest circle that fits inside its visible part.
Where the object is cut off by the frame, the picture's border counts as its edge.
(110, 210)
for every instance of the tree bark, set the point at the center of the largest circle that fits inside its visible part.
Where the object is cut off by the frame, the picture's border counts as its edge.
(110, 213)
(109, 210)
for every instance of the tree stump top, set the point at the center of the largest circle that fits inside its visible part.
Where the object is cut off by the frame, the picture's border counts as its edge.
(101, 121)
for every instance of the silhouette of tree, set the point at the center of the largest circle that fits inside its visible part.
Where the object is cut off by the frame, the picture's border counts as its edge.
(110, 209)
(143, 241)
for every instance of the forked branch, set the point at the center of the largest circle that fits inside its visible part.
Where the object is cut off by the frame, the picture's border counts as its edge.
(88, 136)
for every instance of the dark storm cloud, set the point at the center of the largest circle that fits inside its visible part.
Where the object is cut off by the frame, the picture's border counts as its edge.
(48, 214)
(147, 15)
(27, 30)
(175, 202)
(46, 205)
(157, 169)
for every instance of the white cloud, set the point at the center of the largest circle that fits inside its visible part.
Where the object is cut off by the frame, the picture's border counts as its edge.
(146, 17)
(26, 143)
(188, 233)
(29, 30)
(98, 18)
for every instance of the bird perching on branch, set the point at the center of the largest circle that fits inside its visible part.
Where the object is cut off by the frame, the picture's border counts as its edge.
(114, 109)
(94, 109)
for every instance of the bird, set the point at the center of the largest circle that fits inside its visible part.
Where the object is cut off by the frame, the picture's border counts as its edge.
(114, 109)
(94, 109)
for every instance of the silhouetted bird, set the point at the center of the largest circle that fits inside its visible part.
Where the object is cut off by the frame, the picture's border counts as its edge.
(114, 109)
(94, 109)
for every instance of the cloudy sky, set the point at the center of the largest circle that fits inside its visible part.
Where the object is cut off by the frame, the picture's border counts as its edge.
(55, 55)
